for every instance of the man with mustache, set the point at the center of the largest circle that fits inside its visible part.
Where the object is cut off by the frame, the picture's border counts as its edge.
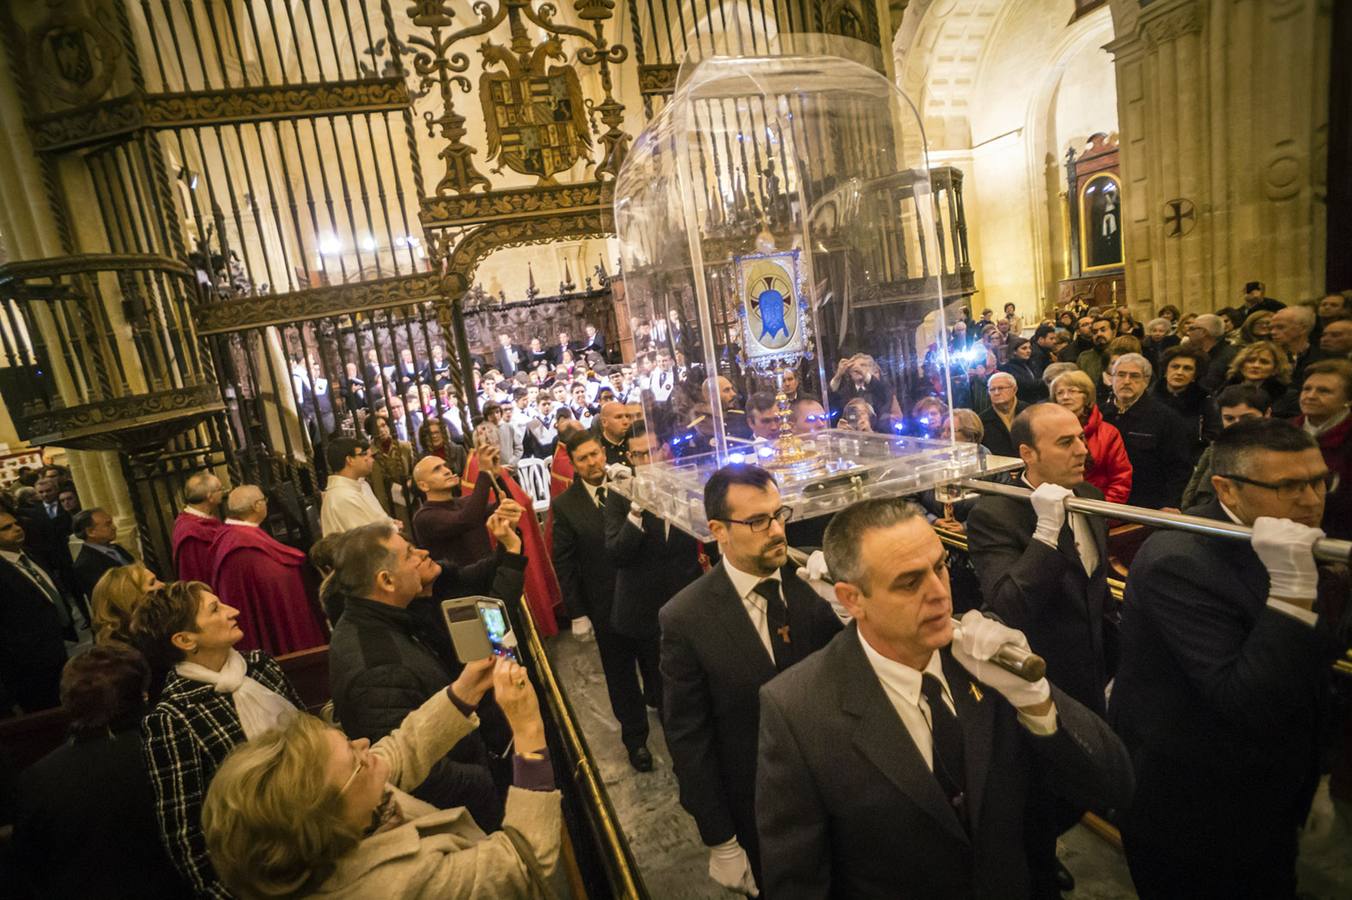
(738, 626)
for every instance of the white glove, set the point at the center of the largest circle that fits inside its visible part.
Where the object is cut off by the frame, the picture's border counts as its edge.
(1049, 502)
(975, 642)
(1320, 823)
(729, 867)
(816, 576)
(1285, 548)
(618, 472)
(582, 627)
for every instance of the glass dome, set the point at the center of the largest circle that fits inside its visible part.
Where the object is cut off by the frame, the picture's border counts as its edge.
(777, 226)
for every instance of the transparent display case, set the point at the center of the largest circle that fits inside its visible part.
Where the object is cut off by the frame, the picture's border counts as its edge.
(783, 271)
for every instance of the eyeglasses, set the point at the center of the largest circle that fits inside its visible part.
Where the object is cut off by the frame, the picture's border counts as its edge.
(762, 523)
(361, 764)
(1129, 376)
(1291, 489)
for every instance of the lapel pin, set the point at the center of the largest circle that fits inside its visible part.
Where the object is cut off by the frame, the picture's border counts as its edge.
(976, 691)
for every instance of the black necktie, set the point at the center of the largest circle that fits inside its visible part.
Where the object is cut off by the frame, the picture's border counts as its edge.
(777, 620)
(949, 767)
(601, 497)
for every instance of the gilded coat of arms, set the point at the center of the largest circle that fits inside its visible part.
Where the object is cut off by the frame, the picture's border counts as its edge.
(534, 116)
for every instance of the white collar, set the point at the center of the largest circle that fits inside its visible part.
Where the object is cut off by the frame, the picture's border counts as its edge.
(11, 556)
(192, 511)
(1334, 421)
(343, 481)
(242, 522)
(902, 678)
(745, 583)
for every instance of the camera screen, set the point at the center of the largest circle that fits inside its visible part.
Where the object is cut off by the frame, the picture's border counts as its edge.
(494, 622)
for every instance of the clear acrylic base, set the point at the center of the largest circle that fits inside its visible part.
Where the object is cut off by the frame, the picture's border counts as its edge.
(846, 466)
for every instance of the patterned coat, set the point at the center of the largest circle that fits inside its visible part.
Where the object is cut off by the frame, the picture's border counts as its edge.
(185, 739)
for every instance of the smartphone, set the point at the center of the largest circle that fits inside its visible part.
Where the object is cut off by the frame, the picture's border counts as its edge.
(479, 628)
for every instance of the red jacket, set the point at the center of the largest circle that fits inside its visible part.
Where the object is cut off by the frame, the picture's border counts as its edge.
(1109, 469)
(1336, 445)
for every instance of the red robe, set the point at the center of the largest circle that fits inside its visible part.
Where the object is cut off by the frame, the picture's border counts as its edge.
(561, 472)
(265, 580)
(542, 585)
(192, 546)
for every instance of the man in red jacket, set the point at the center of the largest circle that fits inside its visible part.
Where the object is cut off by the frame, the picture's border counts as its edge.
(264, 579)
(196, 527)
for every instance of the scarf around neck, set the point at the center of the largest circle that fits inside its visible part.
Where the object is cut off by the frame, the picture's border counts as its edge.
(260, 709)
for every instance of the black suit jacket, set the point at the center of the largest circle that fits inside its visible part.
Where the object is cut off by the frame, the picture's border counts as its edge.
(713, 666)
(32, 650)
(1045, 592)
(91, 564)
(1218, 699)
(996, 438)
(585, 573)
(503, 362)
(847, 807)
(652, 564)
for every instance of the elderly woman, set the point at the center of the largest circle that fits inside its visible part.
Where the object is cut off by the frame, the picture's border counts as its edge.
(115, 597)
(84, 821)
(1262, 364)
(213, 699)
(1109, 469)
(302, 810)
(1157, 340)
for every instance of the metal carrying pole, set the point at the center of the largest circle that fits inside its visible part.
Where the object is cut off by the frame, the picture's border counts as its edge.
(1327, 549)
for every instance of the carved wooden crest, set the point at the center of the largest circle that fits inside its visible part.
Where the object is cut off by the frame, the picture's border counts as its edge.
(534, 115)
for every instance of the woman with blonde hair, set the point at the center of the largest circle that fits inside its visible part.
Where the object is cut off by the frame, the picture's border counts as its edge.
(1262, 364)
(1108, 468)
(1257, 327)
(115, 597)
(301, 810)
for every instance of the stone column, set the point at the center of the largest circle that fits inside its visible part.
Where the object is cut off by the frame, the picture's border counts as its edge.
(32, 233)
(1223, 107)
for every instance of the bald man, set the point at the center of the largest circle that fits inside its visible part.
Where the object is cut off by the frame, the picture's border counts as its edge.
(614, 420)
(1291, 330)
(264, 579)
(1043, 570)
(197, 526)
(450, 527)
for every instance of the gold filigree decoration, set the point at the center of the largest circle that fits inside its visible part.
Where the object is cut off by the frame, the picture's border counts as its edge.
(313, 303)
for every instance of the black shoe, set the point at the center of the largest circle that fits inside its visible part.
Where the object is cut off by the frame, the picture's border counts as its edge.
(1064, 880)
(640, 759)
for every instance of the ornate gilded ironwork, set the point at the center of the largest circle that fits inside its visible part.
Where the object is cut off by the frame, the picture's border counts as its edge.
(298, 306)
(468, 209)
(123, 423)
(436, 66)
(480, 243)
(657, 80)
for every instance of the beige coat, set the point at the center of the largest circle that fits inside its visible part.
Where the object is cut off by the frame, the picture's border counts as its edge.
(443, 853)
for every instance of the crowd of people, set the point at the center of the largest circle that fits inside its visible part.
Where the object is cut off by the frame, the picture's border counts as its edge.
(801, 706)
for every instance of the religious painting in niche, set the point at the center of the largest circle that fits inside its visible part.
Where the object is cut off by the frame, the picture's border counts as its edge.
(1101, 222)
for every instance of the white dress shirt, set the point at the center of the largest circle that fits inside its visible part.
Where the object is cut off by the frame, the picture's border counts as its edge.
(901, 684)
(662, 384)
(43, 580)
(754, 604)
(1083, 534)
(591, 490)
(349, 503)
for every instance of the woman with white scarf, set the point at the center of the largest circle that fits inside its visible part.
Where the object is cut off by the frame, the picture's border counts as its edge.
(213, 699)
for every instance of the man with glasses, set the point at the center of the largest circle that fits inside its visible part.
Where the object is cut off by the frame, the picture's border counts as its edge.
(196, 527)
(1207, 333)
(349, 501)
(1221, 690)
(1157, 439)
(1005, 405)
(746, 620)
(652, 563)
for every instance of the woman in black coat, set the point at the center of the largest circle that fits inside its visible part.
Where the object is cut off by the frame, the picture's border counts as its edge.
(85, 821)
(1031, 387)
